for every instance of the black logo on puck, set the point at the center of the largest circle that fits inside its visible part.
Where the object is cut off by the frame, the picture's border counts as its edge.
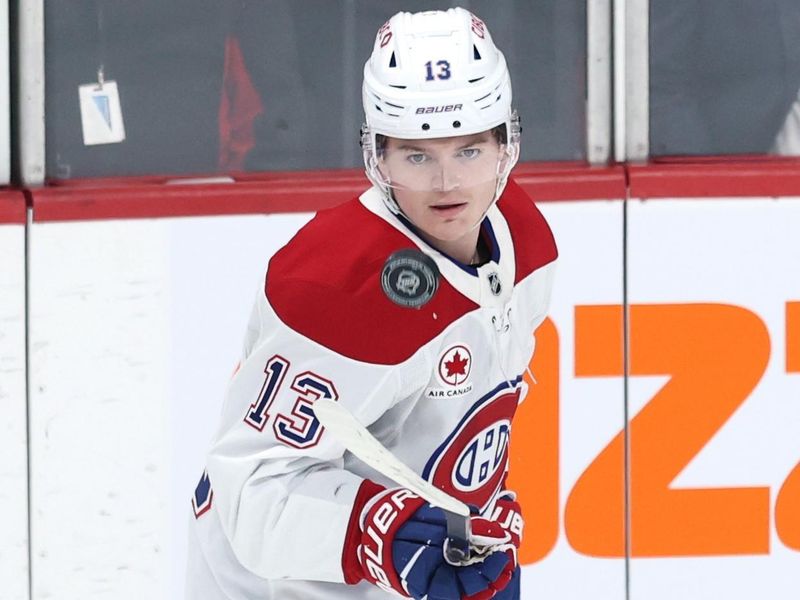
(410, 278)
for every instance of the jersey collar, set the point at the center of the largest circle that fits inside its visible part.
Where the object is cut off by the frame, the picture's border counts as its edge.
(476, 283)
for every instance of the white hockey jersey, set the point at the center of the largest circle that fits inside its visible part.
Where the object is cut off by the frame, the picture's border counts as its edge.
(436, 382)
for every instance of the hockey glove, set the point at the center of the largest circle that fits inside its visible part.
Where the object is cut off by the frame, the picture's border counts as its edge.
(508, 514)
(512, 590)
(401, 549)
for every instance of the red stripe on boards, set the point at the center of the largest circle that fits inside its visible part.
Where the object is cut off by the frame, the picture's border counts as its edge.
(716, 177)
(12, 207)
(308, 191)
(278, 192)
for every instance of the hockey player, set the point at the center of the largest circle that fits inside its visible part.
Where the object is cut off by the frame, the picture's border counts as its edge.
(413, 306)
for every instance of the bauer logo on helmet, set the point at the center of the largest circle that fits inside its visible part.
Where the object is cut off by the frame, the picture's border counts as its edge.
(426, 110)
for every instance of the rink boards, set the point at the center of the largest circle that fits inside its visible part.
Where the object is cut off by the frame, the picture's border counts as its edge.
(13, 436)
(136, 325)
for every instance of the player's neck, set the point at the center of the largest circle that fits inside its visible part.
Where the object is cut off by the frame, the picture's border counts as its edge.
(465, 250)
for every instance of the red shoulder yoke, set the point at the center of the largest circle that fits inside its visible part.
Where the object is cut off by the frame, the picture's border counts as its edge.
(326, 285)
(534, 245)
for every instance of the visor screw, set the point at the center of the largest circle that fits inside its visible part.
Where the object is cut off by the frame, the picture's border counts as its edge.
(425, 127)
(456, 124)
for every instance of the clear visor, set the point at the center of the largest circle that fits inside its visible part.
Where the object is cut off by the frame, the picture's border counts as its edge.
(442, 164)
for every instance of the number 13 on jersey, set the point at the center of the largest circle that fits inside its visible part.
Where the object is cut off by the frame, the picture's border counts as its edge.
(298, 428)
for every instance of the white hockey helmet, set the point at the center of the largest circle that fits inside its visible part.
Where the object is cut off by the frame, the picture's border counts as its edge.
(436, 74)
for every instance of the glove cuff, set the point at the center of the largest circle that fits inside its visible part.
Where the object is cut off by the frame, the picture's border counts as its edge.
(351, 567)
(382, 519)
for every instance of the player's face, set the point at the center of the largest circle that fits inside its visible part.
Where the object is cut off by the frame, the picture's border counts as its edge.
(444, 186)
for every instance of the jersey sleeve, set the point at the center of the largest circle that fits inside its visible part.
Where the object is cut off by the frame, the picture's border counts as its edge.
(280, 489)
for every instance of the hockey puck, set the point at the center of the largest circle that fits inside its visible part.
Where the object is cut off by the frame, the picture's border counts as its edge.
(409, 278)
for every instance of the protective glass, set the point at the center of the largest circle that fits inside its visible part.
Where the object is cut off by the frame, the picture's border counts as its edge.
(441, 165)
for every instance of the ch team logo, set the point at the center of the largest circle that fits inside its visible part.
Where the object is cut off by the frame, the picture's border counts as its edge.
(471, 463)
(455, 365)
(482, 457)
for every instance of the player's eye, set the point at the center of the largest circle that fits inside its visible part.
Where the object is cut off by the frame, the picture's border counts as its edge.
(470, 153)
(417, 159)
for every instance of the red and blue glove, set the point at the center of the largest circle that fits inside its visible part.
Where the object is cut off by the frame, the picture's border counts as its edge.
(512, 590)
(508, 515)
(400, 541)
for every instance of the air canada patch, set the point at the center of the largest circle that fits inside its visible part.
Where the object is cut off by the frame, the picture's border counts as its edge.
(410, 278)
(453, 373)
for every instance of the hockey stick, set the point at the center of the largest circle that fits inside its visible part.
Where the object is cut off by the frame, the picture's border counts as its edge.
(358, 440)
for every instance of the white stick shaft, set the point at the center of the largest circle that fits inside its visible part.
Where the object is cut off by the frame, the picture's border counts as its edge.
(355, 437)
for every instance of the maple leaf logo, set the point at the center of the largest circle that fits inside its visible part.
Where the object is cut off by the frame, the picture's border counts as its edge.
(457, 366)
(454, 365)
